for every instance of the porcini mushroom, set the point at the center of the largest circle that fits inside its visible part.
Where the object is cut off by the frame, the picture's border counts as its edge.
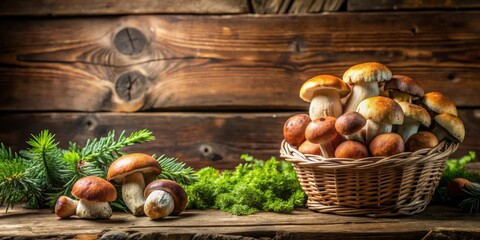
(414, 115)
(164, 198)
(381, 113)
(448, 126)
(386, 144)
(94, 193)
(294, 129)
(322, 131)
(421, 140)
(350, 125)
(351, 149)
(134, 171)
(65, 207)
(324, 92)
(436, 103)
(364, 79)
(308, 147)
(403, 89)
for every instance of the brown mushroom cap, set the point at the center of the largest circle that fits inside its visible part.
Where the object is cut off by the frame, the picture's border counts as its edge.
(94, 189)
(439, 103)
(416, 113)
(294, 129)
(452, 124)
(351, 149)
(174, 189)
(65, 207)
(421, 140)
(381, 110)
(404, 84)
(367, 72)
(309, 148)
(350, 123)
(323, 82)
(131, 163)
(321, 130)
(387, 144)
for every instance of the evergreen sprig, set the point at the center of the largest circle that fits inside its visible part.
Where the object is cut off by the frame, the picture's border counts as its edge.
(174, 170)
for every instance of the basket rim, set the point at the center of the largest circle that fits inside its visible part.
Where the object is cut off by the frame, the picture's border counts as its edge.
(442, 150)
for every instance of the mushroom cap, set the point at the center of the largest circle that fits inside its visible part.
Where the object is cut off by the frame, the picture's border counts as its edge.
(416, 113)
(65, 207)
(307, 92)
(404, 84)
(367, 72)
(94, 189)
(309, 148)
(174, 189)
(294, 129)
(439, 103)
(421, 140)
(452, 124)
(350, 123)
(351, 149)
(387, 144)
(132, 163)
(381, 110)
(321, 130)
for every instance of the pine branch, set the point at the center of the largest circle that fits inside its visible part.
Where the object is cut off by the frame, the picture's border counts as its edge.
(176, 171)
(472, 203)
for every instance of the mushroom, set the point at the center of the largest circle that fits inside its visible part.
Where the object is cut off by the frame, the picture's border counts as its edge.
(322, 131)
(364, 79)
(351, 149)
(294, 129)
(414, 116)
(386, 144)
(65, 207)
(324, 92)
(134, 171)
(350, 125)
(436, 103)
(421, 140)
(448, 126)
(403, 89)
(309, 148)
(381, 113)
(94, 194)
(164, 198)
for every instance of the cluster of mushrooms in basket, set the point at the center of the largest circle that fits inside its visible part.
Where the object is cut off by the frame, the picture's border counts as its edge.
(371, 113)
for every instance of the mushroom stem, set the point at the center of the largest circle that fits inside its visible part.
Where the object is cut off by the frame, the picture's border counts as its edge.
(132, 193)
(159, 204)
(327, 150)
(440, 133)
(401, 96)
(325, 103)
(361, 91)
(374, 128)
(408, 128)
(355, 137)
(93, 210)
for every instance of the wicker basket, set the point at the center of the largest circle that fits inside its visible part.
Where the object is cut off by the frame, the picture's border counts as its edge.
(402, 184)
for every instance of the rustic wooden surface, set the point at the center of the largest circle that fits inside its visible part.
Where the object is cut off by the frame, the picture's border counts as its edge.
(225, 62)
(119, 7)
(200, 139)
(436, 221)
(367, 5)
(295, 6)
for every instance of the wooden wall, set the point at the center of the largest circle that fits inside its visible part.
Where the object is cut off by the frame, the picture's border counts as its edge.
(215, 79)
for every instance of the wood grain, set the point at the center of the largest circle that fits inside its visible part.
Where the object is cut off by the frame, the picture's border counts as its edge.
(437, 221)
(295, 6)
(228, 62)
(366, 5)
(119, 7)
(199, 139)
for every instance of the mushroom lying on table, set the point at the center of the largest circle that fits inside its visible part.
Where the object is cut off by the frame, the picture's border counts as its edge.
(414, 116)
(94, 193)
(403, 89)
(134, 171)
(65, 207)
(164, 198)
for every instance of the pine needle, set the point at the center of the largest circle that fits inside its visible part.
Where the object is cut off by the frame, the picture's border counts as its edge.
(176, 171)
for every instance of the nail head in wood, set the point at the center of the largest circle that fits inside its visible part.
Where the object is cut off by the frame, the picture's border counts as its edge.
(130, 41)
(130, 85)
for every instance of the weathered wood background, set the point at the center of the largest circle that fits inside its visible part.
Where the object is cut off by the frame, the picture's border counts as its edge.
(216, 81)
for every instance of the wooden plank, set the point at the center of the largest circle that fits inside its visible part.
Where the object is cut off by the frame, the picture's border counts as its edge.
(199, 139)
(210, 224)
(119, 7)
(296, 6)
(225, 62)
(367, 5)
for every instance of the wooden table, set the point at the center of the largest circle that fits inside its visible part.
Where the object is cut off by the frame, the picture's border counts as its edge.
(437, 222)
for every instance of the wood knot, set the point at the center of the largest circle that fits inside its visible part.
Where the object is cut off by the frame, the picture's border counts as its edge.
(130, 41)
(130, 85)
(208, 152)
